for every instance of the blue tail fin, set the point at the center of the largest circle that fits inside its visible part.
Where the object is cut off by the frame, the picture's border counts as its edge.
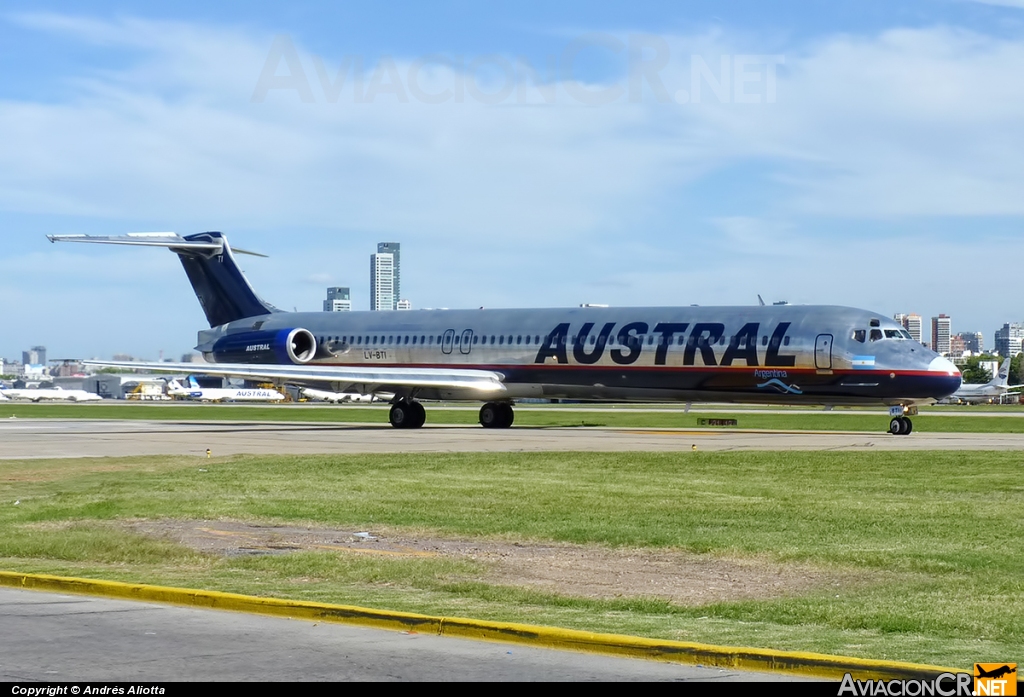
(223, 291)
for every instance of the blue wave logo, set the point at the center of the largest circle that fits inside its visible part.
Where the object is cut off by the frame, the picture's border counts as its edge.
(781, 386)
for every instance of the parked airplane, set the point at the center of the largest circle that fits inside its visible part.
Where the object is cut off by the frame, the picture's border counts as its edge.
(336, 397)
(990, 391)
(221, 394)
(779, 354)
(54, 394)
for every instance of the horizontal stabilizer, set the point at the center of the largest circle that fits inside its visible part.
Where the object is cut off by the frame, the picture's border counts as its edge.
(367, 378)
(222, 289)
(171, 240)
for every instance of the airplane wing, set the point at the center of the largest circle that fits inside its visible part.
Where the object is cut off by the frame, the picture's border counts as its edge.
(364, 379)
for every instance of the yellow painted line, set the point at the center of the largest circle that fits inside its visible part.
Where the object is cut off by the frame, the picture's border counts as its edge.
(765, 660)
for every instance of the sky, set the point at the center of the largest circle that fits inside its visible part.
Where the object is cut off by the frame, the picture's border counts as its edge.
(525, 154)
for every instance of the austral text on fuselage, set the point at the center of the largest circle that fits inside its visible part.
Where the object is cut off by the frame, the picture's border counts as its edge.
(588, 348)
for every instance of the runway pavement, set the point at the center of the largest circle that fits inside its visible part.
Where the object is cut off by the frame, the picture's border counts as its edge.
(43, 438)
(61, 638)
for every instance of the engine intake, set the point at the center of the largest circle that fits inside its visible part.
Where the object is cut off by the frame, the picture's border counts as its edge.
(279, 346)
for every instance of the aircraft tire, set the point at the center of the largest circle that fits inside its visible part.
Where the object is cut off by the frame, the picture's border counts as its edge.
(402, 415)
(419, 415)
(496, 415)
(896, 426)
(908, 426)
(490, 415)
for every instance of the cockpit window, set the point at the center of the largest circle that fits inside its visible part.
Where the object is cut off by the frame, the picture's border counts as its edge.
(892, 334)
(876, 334)
(906, 334)
(859, 335)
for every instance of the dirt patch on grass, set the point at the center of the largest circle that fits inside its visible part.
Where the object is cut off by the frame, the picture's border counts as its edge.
(589, 571)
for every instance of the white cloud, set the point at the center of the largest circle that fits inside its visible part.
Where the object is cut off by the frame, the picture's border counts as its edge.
(902, 125)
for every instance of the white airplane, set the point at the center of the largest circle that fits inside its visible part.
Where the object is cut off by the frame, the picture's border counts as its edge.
(50, 394)
(221, 394)
(785, 354)
(336, 397)
(989, 392)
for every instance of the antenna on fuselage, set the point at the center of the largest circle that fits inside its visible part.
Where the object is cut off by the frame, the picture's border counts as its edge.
(760, 300)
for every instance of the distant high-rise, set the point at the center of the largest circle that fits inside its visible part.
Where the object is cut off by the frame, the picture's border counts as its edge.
(912, 323)
(940, 334)
(956, 347)
(34, 356)
(395, 250)
(403, 305)
(338, 300)
(382, 281)
(1009, 339)
(973, 342)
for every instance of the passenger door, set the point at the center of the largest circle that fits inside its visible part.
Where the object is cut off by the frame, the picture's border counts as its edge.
(823, 352)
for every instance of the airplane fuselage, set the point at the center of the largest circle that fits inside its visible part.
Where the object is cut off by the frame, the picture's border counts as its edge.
(776, 354)
(51, 395)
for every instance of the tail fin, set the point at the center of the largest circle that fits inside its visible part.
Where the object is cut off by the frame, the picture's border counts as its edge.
(1002, 377)
(223, 291)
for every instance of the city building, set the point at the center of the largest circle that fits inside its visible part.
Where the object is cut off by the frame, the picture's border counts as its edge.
(382, 281)
(973, 342)
(403, 305)
(940, 334)
(1009, 338)
(395, 250)
(34, 356)
(956, 347)
(913, 324)
(338, 300)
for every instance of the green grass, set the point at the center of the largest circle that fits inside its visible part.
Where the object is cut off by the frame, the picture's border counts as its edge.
(940, 420)
(931, 540)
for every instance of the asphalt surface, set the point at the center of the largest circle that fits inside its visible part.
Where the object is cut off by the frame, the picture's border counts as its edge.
(61, 638)
(51, 438)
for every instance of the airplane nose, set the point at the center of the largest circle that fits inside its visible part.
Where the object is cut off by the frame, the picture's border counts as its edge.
(943, 365)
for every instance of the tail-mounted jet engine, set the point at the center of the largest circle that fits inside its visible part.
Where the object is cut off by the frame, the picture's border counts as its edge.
(281, 346)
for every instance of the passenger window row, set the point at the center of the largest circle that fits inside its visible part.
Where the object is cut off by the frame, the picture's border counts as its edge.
(535, 340)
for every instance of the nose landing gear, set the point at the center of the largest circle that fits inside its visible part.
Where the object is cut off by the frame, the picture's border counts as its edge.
(901, 425)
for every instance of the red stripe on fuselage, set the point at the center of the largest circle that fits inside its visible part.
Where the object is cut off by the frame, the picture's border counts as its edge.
(498, 367)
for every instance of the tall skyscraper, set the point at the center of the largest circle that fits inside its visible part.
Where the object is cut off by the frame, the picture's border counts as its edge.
(382, 281)
(940, 334)
(395, 250)
(34, 356)
(1009, 339)
(912, 323)
(338, 300)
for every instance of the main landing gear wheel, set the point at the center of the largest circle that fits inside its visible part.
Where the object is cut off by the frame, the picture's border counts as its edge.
(407, 414)
(496, 415)
(901, 426)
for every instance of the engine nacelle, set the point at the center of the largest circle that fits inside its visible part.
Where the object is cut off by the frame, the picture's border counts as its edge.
(280, 346)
